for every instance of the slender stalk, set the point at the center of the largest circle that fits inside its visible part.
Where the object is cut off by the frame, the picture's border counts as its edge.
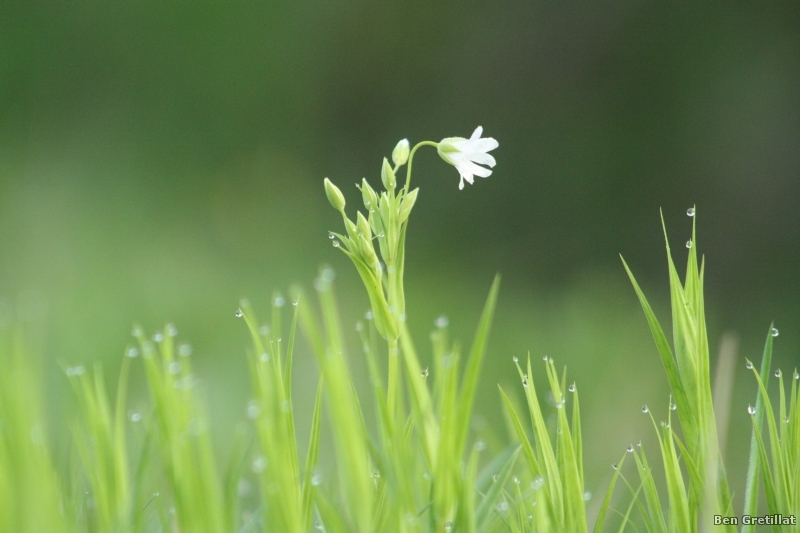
(394, 379)
(411, 160)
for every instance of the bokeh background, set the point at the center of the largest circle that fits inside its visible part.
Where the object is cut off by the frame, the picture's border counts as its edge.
(160, 161)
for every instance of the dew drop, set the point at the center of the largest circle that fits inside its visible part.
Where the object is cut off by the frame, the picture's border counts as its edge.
(524, 382)
(239, 313)
(639, 444)
(630, 448)
(359, 326)
(516, 480)
(442, 322)
(587, 496)
(571, 388)
(778, 373)
(135, 417)
(259, 464)
(494, 478)
(295, 302)
(278, 301)
(775, 332)
(560, 404)
(690, 212)
(368, 315)
(689, 243)
(749, 365)
(172, 330)
(502, 507)
(132, 352)
(331, 236)
(158, 337)
(515, 359)
(316, 480)
(156, 493)
(614, 466)
(336, 244)
(751, 409)
(545, 358)
(174, 368)
(645, 409)
(448, 525)
(537, 483)
(185, 350)
(136, 332)
(264, 330)
(265, 357)
(480, 445)
(253, 410)
(796, 375)
(673, 406)
(76, 371)
(424, 373)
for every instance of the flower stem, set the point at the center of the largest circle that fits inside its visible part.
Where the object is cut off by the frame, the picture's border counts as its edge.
(394, 379)
(411, 160)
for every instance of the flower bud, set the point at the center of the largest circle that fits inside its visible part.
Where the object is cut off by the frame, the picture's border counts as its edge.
(407, 205)
(363, 226)
(368, 195)
(335, 196)
(387, 176)
(400, 153)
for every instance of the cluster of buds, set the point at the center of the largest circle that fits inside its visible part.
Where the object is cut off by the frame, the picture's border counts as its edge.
(386, 221)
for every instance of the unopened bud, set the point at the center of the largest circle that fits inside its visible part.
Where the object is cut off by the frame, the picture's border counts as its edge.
(387, 176)
(363, 226)
(368, 195)
(407, 205)
(335, 196)
(400, 153)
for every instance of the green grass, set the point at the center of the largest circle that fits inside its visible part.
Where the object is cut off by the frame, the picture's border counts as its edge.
(419, 467)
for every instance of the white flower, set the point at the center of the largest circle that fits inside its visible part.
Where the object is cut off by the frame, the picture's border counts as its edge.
(468, 154)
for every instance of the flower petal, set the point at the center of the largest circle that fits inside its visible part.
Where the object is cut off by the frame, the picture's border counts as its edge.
(472, 168)
(482, 159)
(477, 133)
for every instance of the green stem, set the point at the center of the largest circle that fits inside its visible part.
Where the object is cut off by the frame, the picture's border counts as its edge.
(394, 378)
(411, 160)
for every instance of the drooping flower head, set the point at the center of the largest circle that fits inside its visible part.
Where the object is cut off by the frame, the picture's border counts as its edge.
(468, 154)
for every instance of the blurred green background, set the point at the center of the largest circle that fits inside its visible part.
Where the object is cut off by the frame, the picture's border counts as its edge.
(160, 161)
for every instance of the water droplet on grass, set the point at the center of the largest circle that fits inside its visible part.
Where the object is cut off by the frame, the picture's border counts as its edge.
(259, 464)
(368, 315)
(480, 445)
(172, 330)
(265, 357)
(778, 373)
(537, 483)
(331, 236)
(442, 322)
(76, 371)
(645, 409)
(775, 332)
(690, 212)
(278, 301)
(136, 332)
(515, 359)
(796, 375)
(132, 352)
(316, 480)
(673, 406)
(516, 480)
(158, 337)
(749, 365)
(571, 388)
(336, 244)
(502, 507)
(253, 410)
(751, 409)
(239, 313)
(524, 382)
(185, 350)
(614, 466)
(424, 373)
(135, 417)
(630, 448)
(587, 496)
(689, 243)
(264, 330)
(545, 358)
(174, 368)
